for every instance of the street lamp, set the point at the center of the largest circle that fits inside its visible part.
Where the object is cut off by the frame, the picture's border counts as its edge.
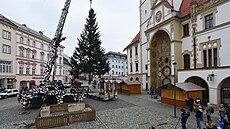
(174, 65)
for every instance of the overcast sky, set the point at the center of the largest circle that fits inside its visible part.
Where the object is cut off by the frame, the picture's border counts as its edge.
(118, 20)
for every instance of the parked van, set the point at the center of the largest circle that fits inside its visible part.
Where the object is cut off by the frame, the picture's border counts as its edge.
(8, 93)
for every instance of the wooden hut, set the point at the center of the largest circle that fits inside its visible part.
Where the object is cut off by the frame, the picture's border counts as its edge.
(129, 87)
(183, 91)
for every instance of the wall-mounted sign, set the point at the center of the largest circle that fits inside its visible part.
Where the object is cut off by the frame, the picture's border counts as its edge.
(210, 77)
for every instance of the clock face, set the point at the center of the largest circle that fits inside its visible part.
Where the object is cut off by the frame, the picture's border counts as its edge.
(166, 81)
(166, 71)
(159, 74)
(158, 16)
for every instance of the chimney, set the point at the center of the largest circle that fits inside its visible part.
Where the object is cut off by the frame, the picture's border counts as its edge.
(41, 32)
(24, 25)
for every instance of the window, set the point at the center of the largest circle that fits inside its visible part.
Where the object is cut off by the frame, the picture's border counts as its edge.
(146, 67)
(60, 60)
(136, 50)
(130, 53)
(205, 58)
(5, 66)
(33, 55)
(136, 66)
(42, 46)
(131, 68)
(28, 53)
(209, 21)
(116, 66)
(6, 35)
(60, 70)
(28, 41)
(215, 58)
(186, 61)
(137, 79)
(6, 49)
(185, 30)
(112, 66)
(21, 39)
(42, 56)
(116, 73)
(41, 71)
(34, 44)
(20, 70)
(209, 57)
(27, 70)
(21, 53)
(33, 71)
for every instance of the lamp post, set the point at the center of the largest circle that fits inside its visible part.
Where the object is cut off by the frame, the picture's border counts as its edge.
(174, 65)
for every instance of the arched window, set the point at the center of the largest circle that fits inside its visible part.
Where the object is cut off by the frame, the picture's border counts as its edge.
(131, 79)
(137, 79)
(186, 61)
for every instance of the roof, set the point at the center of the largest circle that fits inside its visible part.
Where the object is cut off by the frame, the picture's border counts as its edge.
(27, 29)
(130, 82)
(186, 86)
(185, 6)
(136, 39)
(115, 53)
(6, 20)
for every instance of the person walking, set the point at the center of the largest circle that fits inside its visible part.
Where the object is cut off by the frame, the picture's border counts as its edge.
(151, 92)
(209, 111)
(222, 111)
(198, 114)
(184, 117)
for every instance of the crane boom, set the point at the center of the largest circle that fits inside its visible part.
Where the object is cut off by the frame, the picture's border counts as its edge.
(54, 45)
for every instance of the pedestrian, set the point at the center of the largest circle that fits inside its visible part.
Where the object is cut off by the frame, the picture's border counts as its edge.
(187, 103)
(222, 111)
(209, 111)
(198, 114)
(191, 102)
(220, 122)
(151, 92)
(18, 97)
(184, 117)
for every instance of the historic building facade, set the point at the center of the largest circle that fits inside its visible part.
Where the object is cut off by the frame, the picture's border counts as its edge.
(134, 63)
(7, 53)
(117, 64)
(191, 35)
(33, 51)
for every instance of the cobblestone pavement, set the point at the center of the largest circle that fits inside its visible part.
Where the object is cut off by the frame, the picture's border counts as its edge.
(127, 112)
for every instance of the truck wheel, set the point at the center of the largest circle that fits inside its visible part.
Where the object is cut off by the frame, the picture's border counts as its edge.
(6, 97)
(68, 99)
(51, 100)
(36, 102)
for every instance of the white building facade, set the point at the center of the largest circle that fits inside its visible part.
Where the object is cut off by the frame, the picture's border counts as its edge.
(117, 64)
(194, 35)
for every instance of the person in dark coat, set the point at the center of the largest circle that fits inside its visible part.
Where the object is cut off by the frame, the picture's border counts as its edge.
(184, 117)
(191, 101)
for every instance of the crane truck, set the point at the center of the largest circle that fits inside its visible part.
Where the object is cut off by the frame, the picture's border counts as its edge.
(51, 92)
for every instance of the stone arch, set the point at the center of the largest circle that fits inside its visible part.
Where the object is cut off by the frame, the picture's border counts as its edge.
(160, 57)
(200, 82)
(223, 91)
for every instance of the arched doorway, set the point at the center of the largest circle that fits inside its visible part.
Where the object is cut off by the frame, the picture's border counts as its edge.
(160, 59)
(225, 91)
(201, 82)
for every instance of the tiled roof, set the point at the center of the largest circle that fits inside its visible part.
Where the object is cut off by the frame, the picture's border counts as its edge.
(185, 6)
(136, 39)
(27, 29)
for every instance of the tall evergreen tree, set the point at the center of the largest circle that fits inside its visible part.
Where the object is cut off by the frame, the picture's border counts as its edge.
(89, 56)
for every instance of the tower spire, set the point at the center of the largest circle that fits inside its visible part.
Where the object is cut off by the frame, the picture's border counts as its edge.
(90, 4)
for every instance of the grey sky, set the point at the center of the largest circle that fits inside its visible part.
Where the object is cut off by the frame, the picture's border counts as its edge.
(118, 19)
